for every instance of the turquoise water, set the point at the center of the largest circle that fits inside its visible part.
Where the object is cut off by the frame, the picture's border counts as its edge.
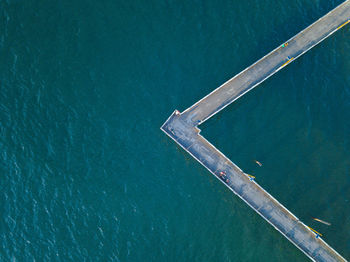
(87, 175)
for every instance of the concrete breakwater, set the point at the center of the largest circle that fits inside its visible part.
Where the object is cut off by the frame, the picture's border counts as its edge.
(183, 129)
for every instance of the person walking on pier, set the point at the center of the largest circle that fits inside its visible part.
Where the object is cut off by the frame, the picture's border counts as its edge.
(222, 173)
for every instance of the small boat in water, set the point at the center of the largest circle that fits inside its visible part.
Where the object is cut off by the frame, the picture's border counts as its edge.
(321, 221)
(256, 161)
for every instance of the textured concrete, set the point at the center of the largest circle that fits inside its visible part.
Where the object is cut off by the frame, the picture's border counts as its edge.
(183, 129)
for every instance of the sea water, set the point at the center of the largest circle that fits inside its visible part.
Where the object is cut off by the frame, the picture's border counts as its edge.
(87, 175)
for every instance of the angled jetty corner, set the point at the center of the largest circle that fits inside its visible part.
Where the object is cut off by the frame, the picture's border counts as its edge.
(183, 129)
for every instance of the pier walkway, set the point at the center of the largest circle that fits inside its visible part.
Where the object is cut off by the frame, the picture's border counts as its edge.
(183, 129)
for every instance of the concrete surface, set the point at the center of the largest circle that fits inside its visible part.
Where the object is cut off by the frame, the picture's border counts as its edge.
(183, 129)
